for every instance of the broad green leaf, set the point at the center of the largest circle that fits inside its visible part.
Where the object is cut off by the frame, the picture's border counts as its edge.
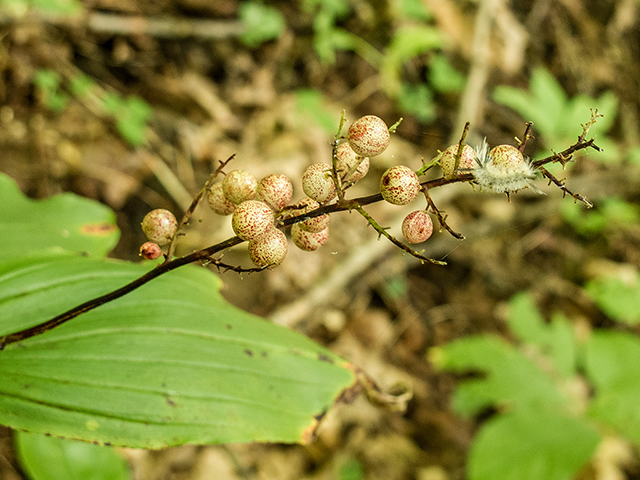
(67, 221)
(531, 445)
(612, 360)
(168, 364)
(508, 376)
(554, 339)
(618, 298)
(548, 94)
(48, 458)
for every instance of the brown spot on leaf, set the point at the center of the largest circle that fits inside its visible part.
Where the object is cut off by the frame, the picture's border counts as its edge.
(324, 358)
(102, 229)
(248, 352)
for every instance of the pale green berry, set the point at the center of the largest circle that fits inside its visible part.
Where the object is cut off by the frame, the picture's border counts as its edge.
(317, 182)
(448, 160)
(252, 219)
(218, 202)
(269, 250)
(159, 226)
(399, 185)
(239, 185)
(348, 159)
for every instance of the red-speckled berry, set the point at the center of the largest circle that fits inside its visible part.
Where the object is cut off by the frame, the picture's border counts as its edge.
(504, 169)
(417, 227)
(317, 182)
(399, 185)
(218, 202)
(448, 160)
(150, 251)
(275, 190)
(239, 185)
(252, 219)
(308, 241)
(159, 226)
(315, 224)
(347, 159)
(269, 250)
(369, 136)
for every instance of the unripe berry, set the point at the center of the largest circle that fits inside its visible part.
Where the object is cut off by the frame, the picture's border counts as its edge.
(448, 160)
(275, 190)
(239, 185)
(369, 136)
(417, 227)
(308, 241)
(269, 250)
(252, 219)
(150, 251)
(317, 182)
(347, 159)
(159, 226)
(315, 224)
(218, 202)
(399, 185)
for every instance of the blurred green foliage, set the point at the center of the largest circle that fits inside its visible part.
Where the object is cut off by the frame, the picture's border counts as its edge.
(19, 8)
(608, 214)
(546, 425)
(261, 23)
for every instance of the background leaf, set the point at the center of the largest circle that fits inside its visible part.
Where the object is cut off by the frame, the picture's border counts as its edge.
(612, 360)
(68, 221)
(618, 298)
(531, 446)
(48, 458)
(168, 364)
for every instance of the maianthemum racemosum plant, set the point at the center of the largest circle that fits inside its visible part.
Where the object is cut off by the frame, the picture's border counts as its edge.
(261, 210)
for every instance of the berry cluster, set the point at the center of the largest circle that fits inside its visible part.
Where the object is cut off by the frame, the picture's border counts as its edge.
(260, 210)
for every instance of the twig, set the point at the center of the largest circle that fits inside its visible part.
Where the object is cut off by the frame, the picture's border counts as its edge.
(560, 184)
(394, 240)
(187, 215)
(441, 218)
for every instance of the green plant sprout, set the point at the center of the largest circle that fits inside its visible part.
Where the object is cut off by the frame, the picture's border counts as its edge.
(545, 428)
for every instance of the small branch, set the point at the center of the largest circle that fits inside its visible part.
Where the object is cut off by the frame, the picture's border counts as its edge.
(565, 191)
(395, 241)
(441, 218)
(225, 267)
(527, 135)
(187, 215)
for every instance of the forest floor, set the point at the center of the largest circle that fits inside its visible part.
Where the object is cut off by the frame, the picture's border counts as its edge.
(276, 106)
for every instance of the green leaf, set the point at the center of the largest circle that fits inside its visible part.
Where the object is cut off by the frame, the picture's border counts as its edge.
(531, 446)
(611, 363)
(509, 377)
(168, 364)
(555, 340)
(47, 458)
(444, 77)
(66, 221)
(261, 23)
(417, 100)
(618, 298)
(311, 104)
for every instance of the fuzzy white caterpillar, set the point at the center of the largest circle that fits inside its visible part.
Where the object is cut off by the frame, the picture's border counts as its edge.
(503, 169)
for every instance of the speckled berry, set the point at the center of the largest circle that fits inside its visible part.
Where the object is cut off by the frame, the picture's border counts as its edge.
(369, 136)
(308, 241)
(504, 169)
(317, 182)
(315, 224)
(348, 159)
(239, 185)
(399, 185)
(269, 250)
(252, 219)
(417, 227)
(159, 226)
(150, 251)
(275, 190)
(507, 159)
(218, 202)
(448, 160)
